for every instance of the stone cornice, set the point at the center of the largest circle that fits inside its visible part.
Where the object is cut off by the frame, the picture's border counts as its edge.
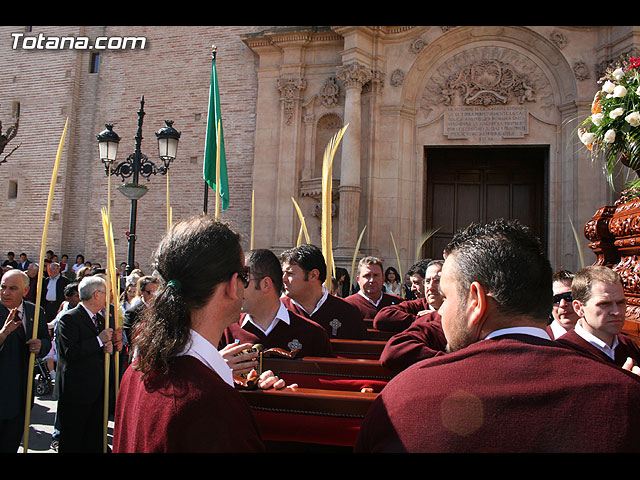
(282, 36)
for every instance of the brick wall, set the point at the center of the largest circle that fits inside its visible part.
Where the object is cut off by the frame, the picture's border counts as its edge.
(172, 72)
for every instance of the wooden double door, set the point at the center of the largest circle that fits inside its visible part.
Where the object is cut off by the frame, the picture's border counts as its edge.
(465, 185)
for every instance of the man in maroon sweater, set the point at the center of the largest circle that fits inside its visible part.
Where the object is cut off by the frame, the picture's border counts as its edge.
(396, 318)
(305, 272)
(370, 298)
(599, 302)
(266, 321)
(424, 338)
(504, 385)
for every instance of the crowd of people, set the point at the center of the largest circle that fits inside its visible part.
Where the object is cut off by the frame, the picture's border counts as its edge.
(491, 350)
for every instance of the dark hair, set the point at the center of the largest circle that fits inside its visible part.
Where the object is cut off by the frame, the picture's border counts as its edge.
(419, 268)
(389, 270)
(562, 276)
(70, 289)
(142, 282)
(434, 262)
(195, 256)
(507, 259)
(264, 263)
(583, 281)
(307, 257)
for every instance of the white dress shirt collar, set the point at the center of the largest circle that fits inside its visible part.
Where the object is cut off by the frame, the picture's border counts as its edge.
(281, 315)
(375, 304)
(200, 348)
(557, 328)
(596, 342)
(533, 331)
(325, 294)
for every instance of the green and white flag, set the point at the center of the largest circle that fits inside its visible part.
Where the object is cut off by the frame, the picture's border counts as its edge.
(214, 144)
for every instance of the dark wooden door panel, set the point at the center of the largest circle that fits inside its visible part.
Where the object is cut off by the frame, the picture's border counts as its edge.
(477, 185)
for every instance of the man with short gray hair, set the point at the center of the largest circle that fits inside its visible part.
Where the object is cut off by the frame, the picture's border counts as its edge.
(81, 343)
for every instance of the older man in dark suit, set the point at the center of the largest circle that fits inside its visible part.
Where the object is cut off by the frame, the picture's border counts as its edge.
(81, 343)
(16, 344)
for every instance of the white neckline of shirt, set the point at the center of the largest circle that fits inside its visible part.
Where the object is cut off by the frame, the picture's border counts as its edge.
(596, 342)
(200, 348)
(557, 328)
(281, 315)
(534, 331)
(325, 295)
(375, 304)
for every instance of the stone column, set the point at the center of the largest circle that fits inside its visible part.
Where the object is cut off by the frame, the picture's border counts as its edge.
(287, 167)
(353, 77)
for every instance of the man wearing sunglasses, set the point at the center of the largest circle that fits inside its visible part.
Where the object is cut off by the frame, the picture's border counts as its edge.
(146, 287)
(563, 316)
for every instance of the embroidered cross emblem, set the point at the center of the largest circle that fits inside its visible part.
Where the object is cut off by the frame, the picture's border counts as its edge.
(294, 344)
(335, 325)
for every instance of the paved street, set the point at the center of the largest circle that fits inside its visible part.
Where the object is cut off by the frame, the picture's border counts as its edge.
(42, 416)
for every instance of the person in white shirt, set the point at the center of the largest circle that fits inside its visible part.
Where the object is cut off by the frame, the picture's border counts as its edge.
(563, 315)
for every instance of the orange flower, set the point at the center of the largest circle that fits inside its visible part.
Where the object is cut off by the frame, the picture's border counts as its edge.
(595, 105)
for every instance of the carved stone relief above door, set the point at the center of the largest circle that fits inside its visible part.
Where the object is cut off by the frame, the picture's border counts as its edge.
(487, 77)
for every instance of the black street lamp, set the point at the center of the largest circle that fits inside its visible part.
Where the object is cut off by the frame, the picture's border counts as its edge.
(137, 164)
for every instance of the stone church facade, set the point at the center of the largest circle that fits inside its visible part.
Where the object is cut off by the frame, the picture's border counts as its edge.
(446, 125)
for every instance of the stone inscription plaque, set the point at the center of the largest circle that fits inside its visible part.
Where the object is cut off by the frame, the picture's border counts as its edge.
(486, 124)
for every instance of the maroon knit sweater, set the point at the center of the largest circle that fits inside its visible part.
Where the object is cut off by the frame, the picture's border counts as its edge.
(348, 319)
(515, 393)
(396, 318)
(367, 309)
(189, 410)
(310, 337)
(423, 339)
(626, 348)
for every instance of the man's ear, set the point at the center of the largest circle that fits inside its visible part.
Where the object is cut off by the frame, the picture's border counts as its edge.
(477, 304)
(578, 308)
(266, 284)
(232, 287)
(314, 274)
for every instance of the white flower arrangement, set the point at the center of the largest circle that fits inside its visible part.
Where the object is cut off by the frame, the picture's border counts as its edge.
(613, 128)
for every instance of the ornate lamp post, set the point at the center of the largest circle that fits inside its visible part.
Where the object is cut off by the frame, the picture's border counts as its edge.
(137, 164)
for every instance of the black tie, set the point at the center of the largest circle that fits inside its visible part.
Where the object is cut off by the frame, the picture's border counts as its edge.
(21, 328)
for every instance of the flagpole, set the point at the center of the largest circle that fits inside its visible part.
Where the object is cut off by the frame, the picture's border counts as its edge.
(215, 176)
(32, 355)
(253, 194)
(217, 169)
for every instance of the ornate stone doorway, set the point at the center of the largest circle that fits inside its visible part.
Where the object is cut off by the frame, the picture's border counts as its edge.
(480, 184)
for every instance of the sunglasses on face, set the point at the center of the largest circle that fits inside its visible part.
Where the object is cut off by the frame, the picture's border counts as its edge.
(562, 296)
(244, 275)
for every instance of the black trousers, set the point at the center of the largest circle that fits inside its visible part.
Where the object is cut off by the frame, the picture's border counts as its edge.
(81, 426)
(11, 431)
